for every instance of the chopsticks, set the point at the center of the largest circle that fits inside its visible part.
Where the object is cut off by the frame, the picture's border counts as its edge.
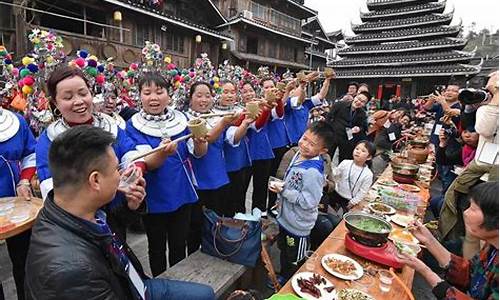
(431, 223)
(206, 116)
(405, 288)
(160, 148)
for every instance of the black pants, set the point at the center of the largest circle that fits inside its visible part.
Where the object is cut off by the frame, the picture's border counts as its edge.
(345, 149)
(292, 252)
(237, 190)
(278, 155)
(213, 199)
(17, 246)
(173, 226)
(325, 224)
(260, 171)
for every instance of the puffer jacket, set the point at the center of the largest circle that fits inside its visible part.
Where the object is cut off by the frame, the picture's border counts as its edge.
(66, 260)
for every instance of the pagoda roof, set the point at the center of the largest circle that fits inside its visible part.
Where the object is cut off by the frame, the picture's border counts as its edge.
(444, 43)
(337, 35)
(405, 34)
(432, 7)
(426, 20)
(379, 4)
(402, 59)
(405, 71)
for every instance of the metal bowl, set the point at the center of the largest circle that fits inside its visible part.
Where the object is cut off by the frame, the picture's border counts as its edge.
(421, 143)
(403, 168)
(365, 237)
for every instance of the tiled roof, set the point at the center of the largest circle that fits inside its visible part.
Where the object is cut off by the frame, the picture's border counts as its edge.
(400, 59)
(139, 6)
(425, 20)
(240, 18)
(417, 71)
(445, 43)
(436, 7)
(376, 4)
(404, 34)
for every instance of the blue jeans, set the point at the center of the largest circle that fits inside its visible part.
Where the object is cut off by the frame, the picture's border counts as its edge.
(160, 289)
(436, 204)
(447, 176)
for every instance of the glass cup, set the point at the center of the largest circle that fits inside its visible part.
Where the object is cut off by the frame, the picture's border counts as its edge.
(311, 259)
(274, 182)
(365, 283)
(385, 280)
(128, 175)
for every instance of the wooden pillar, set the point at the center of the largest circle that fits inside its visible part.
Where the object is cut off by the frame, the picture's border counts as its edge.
(20, 17)
(379, 91)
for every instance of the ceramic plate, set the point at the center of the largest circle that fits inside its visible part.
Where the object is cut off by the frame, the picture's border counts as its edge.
(389, 209)
(388, 182)
(348, 294)
(357, 273)
(403, 236)
(409, 188)
(325, 295)
(402, 220)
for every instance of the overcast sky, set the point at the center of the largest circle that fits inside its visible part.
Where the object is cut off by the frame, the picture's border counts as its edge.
(338, 14)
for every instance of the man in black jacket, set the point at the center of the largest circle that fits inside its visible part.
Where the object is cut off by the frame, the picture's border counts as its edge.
(73, 254)
(349, 122)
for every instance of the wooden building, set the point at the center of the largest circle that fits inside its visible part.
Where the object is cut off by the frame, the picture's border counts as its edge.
(403, 48)
(317, 53)
(119, 28)
(267, 33)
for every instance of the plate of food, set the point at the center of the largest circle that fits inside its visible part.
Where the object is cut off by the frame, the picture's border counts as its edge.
(352, 294)
(381, 208)
(409, 188)
(388, 182)
(409, 249)
(402, 236)
(402, 220)
(312, 286)
(342, 266)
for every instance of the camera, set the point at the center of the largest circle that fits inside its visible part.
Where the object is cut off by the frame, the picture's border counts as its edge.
(472, 96)
(450, 131)
(439, 88)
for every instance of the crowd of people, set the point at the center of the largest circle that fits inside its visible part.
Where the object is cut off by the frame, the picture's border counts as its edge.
(328, 152)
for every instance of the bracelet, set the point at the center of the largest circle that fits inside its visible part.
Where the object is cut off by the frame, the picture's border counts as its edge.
(24, 182)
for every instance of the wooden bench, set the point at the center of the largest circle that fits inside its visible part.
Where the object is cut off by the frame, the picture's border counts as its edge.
(199, 267)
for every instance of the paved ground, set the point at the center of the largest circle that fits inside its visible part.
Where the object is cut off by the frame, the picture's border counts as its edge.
(421, 290)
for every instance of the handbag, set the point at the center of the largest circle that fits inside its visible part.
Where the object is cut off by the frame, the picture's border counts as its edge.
(237, 241)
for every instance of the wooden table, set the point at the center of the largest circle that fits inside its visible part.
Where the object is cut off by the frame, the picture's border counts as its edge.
(334, 243)
(9, 229)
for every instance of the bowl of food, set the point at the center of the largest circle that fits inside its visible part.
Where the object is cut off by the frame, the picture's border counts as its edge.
(410, 249)
(367, 229)
(381, 208)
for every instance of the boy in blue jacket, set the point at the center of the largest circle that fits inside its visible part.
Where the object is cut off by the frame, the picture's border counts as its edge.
(299, 196)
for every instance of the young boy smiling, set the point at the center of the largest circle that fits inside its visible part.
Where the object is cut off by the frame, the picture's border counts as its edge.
(299, 196)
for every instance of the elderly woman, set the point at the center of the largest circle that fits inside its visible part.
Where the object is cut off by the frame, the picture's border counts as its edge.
(466, 279)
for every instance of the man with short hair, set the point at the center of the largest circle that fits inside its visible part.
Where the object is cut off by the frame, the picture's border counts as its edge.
(73, 254)
(349, 122)
(444, 103)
